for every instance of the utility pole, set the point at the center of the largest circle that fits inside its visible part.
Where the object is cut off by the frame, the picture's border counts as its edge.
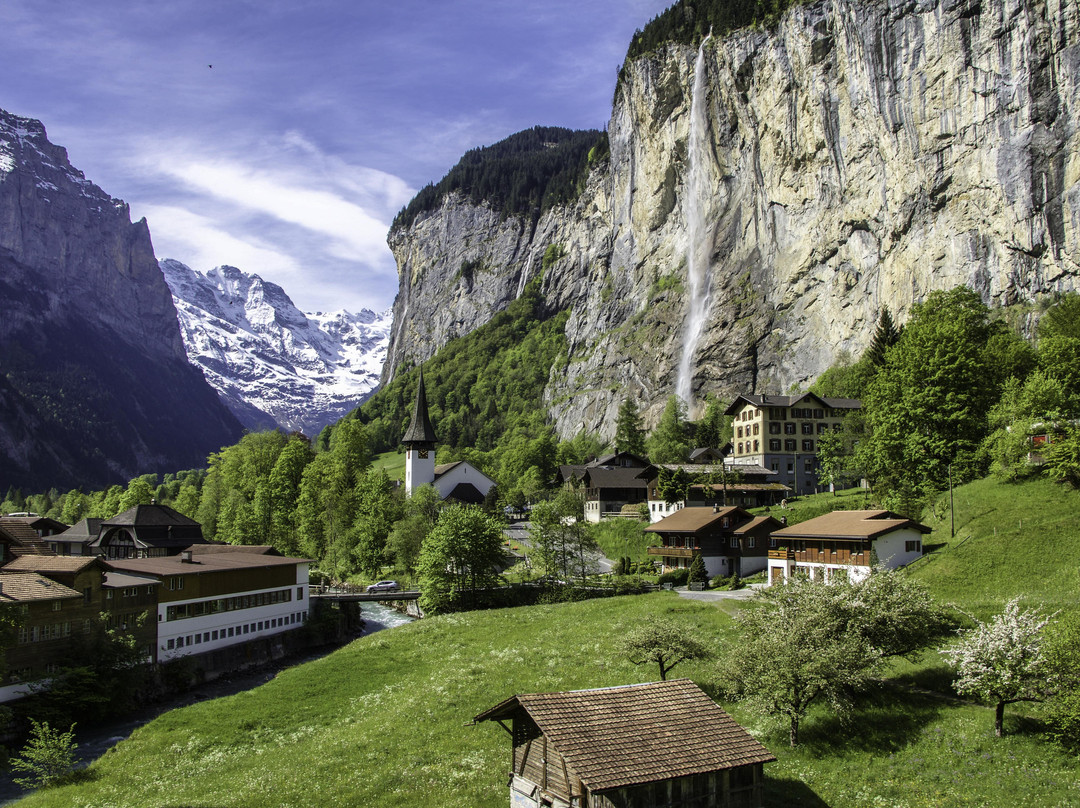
(952, 509)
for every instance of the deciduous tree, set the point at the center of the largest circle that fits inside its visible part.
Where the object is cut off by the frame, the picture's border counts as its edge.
(662, 642)
(460, 556)
(1001, 662)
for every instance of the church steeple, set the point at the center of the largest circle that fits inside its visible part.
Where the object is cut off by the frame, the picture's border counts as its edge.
(419, 442)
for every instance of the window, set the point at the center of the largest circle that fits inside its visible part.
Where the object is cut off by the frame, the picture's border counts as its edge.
(108, 594)
(775, 465)
(198, 638)
(231, 631)
(790, 468)
(774, 445)
(807, 428)
(757, 446)
(179, 642)
(822, 428)
(789, 445)
(213, 635)
(913, 546)
(789, 429)
(738, 432)
(751, 542)
(57, 606)
(86, 594)
(774, 428)
(733, 542)
(739, 450)
(171, 644)
(808, 445)
(757, 428)
(819, 413)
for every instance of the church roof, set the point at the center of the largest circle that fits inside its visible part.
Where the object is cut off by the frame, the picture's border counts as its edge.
(420, 429)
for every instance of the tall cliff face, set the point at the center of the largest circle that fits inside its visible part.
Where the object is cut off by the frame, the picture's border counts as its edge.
(859, 156)
(96, 387)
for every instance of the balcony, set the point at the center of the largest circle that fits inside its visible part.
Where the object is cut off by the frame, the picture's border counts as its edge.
(674, 552)
(782, 554)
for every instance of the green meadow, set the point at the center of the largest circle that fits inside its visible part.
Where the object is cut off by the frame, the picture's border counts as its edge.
(385, 721)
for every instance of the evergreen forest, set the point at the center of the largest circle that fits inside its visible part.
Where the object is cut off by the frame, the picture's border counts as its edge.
(523, 175)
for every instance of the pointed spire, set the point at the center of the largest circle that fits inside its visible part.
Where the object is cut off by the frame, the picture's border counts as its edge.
(420, 432)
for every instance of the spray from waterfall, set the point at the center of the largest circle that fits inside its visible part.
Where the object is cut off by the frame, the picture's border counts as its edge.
(695, 213)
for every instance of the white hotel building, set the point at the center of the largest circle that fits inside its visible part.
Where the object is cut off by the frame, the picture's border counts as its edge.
(214, 596)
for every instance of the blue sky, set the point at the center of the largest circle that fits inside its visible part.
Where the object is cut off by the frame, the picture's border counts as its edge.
(318, 121)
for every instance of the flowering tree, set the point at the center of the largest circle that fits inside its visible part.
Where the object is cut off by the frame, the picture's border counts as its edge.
(1002, 662)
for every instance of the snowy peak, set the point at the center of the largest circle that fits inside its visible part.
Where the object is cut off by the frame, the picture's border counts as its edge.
(271, 363)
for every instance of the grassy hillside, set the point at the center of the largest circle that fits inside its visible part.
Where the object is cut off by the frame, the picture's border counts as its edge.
(384, 722)
(1011, 539)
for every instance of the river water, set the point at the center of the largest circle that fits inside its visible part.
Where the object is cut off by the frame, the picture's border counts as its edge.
(96, 741)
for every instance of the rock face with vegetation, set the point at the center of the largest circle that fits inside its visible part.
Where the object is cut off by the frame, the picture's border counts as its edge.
(96, 387)
(858, 155)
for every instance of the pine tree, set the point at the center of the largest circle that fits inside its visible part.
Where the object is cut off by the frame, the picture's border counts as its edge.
(885, 337)
(629, 436)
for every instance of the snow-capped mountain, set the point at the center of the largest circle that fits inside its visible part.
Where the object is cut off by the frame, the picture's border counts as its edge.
(271, 364)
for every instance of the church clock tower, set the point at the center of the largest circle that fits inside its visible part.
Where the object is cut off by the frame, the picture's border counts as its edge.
(419, 442)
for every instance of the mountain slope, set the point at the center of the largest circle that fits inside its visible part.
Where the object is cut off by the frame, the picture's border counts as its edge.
(272, 365)
(855, 155)
(96, 387)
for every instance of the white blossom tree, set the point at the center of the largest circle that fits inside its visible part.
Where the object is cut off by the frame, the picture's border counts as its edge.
(1002, 662)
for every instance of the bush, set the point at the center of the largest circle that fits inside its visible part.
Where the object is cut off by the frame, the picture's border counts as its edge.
(47, 758)
(677, 577)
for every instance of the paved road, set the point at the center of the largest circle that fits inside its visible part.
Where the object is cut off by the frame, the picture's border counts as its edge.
(719, 594)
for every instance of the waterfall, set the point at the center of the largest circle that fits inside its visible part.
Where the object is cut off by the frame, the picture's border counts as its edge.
(524, 276)
(695, 212)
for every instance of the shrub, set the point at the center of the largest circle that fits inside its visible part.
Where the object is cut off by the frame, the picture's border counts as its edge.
(676, 577)
(47, 758)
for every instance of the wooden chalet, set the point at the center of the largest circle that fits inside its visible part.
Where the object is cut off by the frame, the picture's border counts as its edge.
(76, 540)
(49, 613)
(19, 538)
(730, 540)
(637, 746)
(844, 544)
(744, 484)
(611, 483)
(146, 531)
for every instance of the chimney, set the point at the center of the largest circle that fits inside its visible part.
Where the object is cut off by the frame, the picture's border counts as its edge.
(185, 557)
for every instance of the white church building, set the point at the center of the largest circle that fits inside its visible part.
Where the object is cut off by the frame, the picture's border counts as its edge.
(459, 481)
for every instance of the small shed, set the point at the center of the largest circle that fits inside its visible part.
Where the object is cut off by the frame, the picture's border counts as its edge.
(637, 746)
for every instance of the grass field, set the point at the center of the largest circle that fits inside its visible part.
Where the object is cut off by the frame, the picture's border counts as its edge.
(393, 462)
(384, 721)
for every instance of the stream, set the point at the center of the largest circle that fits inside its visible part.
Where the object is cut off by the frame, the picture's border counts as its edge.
(96, 741)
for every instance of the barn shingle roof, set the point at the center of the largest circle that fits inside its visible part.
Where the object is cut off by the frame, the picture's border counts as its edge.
(20, 587)
(622, 736)
(849, 525)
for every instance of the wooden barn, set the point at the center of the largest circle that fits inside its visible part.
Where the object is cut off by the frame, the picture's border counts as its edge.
(638, 746)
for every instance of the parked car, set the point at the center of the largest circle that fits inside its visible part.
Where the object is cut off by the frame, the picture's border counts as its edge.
(383, 586)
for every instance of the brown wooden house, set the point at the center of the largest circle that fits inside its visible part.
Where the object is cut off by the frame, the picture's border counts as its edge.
(659, 744)
(146, 531)
(730, 540)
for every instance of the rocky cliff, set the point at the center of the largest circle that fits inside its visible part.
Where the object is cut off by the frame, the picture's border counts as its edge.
(274, 366)
(859, 155)
(96, 385)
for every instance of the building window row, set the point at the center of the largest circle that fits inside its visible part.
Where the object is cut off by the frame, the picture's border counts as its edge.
(52, 631)
(204, 607)
(235, 631)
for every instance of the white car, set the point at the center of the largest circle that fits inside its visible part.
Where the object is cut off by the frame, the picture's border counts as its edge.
(383, 586)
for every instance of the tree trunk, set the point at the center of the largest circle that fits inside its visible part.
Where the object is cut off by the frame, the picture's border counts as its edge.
(794, 730)
(999, 719)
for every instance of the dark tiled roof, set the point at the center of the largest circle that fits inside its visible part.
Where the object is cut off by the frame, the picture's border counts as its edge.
(24, 540)
(253, 549)
(692, 520)
(19, 587)
(756, 523)
(849, 525)
(149, 516)
(47, 564)
(614, 477)
(441, 469)
(622, 736)
(212, 562)
(620, 459)
(790, 401)
(82, 531)
(420, 429)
